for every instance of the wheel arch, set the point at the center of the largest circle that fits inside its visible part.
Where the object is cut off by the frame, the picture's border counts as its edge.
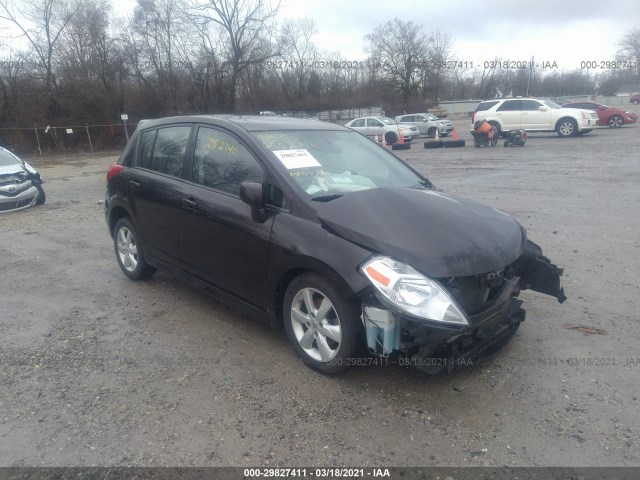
(563, 118)
(302, 266)
(116, 213)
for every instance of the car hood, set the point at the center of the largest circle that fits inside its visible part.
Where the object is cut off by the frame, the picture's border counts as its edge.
(439, 234)
(10, 174)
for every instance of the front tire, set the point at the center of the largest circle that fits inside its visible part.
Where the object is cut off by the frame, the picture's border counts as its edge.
(129, 253)
(42, 197)
(322, 325)
(567, 127)
(432, 132)
(616, 121)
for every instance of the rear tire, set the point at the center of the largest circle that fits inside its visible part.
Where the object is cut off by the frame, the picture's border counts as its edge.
(322, 325)
(498, 129)
(129, 253)
(390, 138)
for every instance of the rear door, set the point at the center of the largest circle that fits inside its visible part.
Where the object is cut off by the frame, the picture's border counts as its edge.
(220, 241)
(155, 189)
(510, 114)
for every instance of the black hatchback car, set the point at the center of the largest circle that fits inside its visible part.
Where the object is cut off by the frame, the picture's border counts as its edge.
(314, 226)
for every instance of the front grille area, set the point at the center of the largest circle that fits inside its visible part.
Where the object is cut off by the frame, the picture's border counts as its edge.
(6, 206)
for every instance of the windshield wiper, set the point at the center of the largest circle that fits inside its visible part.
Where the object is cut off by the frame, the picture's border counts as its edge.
(327, 198)
(422, 184)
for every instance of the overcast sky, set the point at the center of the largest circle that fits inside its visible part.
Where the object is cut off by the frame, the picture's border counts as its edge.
(565, 31)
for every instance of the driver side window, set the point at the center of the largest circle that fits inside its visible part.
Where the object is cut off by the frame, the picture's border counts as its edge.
(220, 161)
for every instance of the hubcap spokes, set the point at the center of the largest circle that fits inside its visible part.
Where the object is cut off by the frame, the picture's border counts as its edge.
(127, 249)
(316, 325)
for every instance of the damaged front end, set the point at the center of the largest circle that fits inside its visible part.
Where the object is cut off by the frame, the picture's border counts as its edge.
(465, 320)
(20, 186)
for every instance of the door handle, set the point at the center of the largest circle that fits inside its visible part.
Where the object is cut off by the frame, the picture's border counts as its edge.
(190, 203)
(134, 183)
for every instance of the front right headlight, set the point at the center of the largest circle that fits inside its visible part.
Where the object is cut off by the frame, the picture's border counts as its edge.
(414, 293)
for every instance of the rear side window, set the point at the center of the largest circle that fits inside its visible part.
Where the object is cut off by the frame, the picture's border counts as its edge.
(510, 106)
(222, 162)
(485, 106)
(163, 150)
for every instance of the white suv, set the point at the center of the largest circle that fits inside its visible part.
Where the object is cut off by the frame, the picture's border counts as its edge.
(535, 116)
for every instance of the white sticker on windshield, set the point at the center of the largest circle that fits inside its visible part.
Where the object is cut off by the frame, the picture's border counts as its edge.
(300, 158)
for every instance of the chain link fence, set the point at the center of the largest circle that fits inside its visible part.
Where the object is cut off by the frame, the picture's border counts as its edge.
(47, 139)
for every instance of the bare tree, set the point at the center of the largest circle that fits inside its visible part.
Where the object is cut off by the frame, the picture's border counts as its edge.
(157, 24)
(439, 55)
(42, 22)
(630, 48)
(398, 49)
(299, 56)
(245, 29)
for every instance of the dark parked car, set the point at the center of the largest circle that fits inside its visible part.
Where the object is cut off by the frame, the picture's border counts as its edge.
(614, 117)
(20, 183)
(635, 98)
(315, 226)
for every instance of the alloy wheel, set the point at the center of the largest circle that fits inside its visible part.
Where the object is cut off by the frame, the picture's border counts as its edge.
(127, 249)
(315, 324)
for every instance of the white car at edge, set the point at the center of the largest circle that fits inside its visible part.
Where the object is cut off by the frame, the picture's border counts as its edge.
(535, 115)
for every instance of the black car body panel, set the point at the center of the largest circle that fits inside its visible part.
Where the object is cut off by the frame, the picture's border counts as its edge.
(247, 255)
(439, 234)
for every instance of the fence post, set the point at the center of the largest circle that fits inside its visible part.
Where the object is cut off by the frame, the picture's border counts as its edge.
(86, 125)
(35, 128)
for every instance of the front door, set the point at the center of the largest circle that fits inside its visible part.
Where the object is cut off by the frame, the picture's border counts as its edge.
(220, 241)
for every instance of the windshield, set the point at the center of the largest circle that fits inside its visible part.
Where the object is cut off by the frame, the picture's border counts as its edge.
(7, 159)
(328, 164)
(551, 104)
(386, 120)
(432, 117)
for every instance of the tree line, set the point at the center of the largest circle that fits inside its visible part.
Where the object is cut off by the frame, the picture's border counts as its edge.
(82, 62)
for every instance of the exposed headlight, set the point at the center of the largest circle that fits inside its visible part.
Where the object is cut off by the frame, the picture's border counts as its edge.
(413, 292)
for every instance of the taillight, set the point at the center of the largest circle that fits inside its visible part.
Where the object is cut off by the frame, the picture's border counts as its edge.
(114, 170)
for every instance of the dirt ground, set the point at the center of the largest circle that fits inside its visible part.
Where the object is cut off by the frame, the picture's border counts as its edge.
(97, 370)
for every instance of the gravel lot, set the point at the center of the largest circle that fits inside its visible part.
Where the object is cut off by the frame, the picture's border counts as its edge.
(99, 370)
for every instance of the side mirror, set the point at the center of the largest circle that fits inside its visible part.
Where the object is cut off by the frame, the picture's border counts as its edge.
(252, 194)
(543, 108)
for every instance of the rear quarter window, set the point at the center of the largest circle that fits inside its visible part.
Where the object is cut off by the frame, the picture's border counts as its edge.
(485, 106)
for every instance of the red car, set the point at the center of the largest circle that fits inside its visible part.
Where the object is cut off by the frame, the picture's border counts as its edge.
(614, 117)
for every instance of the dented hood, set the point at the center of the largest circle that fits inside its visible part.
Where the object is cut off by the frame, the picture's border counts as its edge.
(439, 234)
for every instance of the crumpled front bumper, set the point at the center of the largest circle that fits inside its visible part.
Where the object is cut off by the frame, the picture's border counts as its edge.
(24, 199)
(434, 348)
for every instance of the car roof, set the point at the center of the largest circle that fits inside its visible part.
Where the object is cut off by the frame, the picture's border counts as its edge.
(249, 123)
